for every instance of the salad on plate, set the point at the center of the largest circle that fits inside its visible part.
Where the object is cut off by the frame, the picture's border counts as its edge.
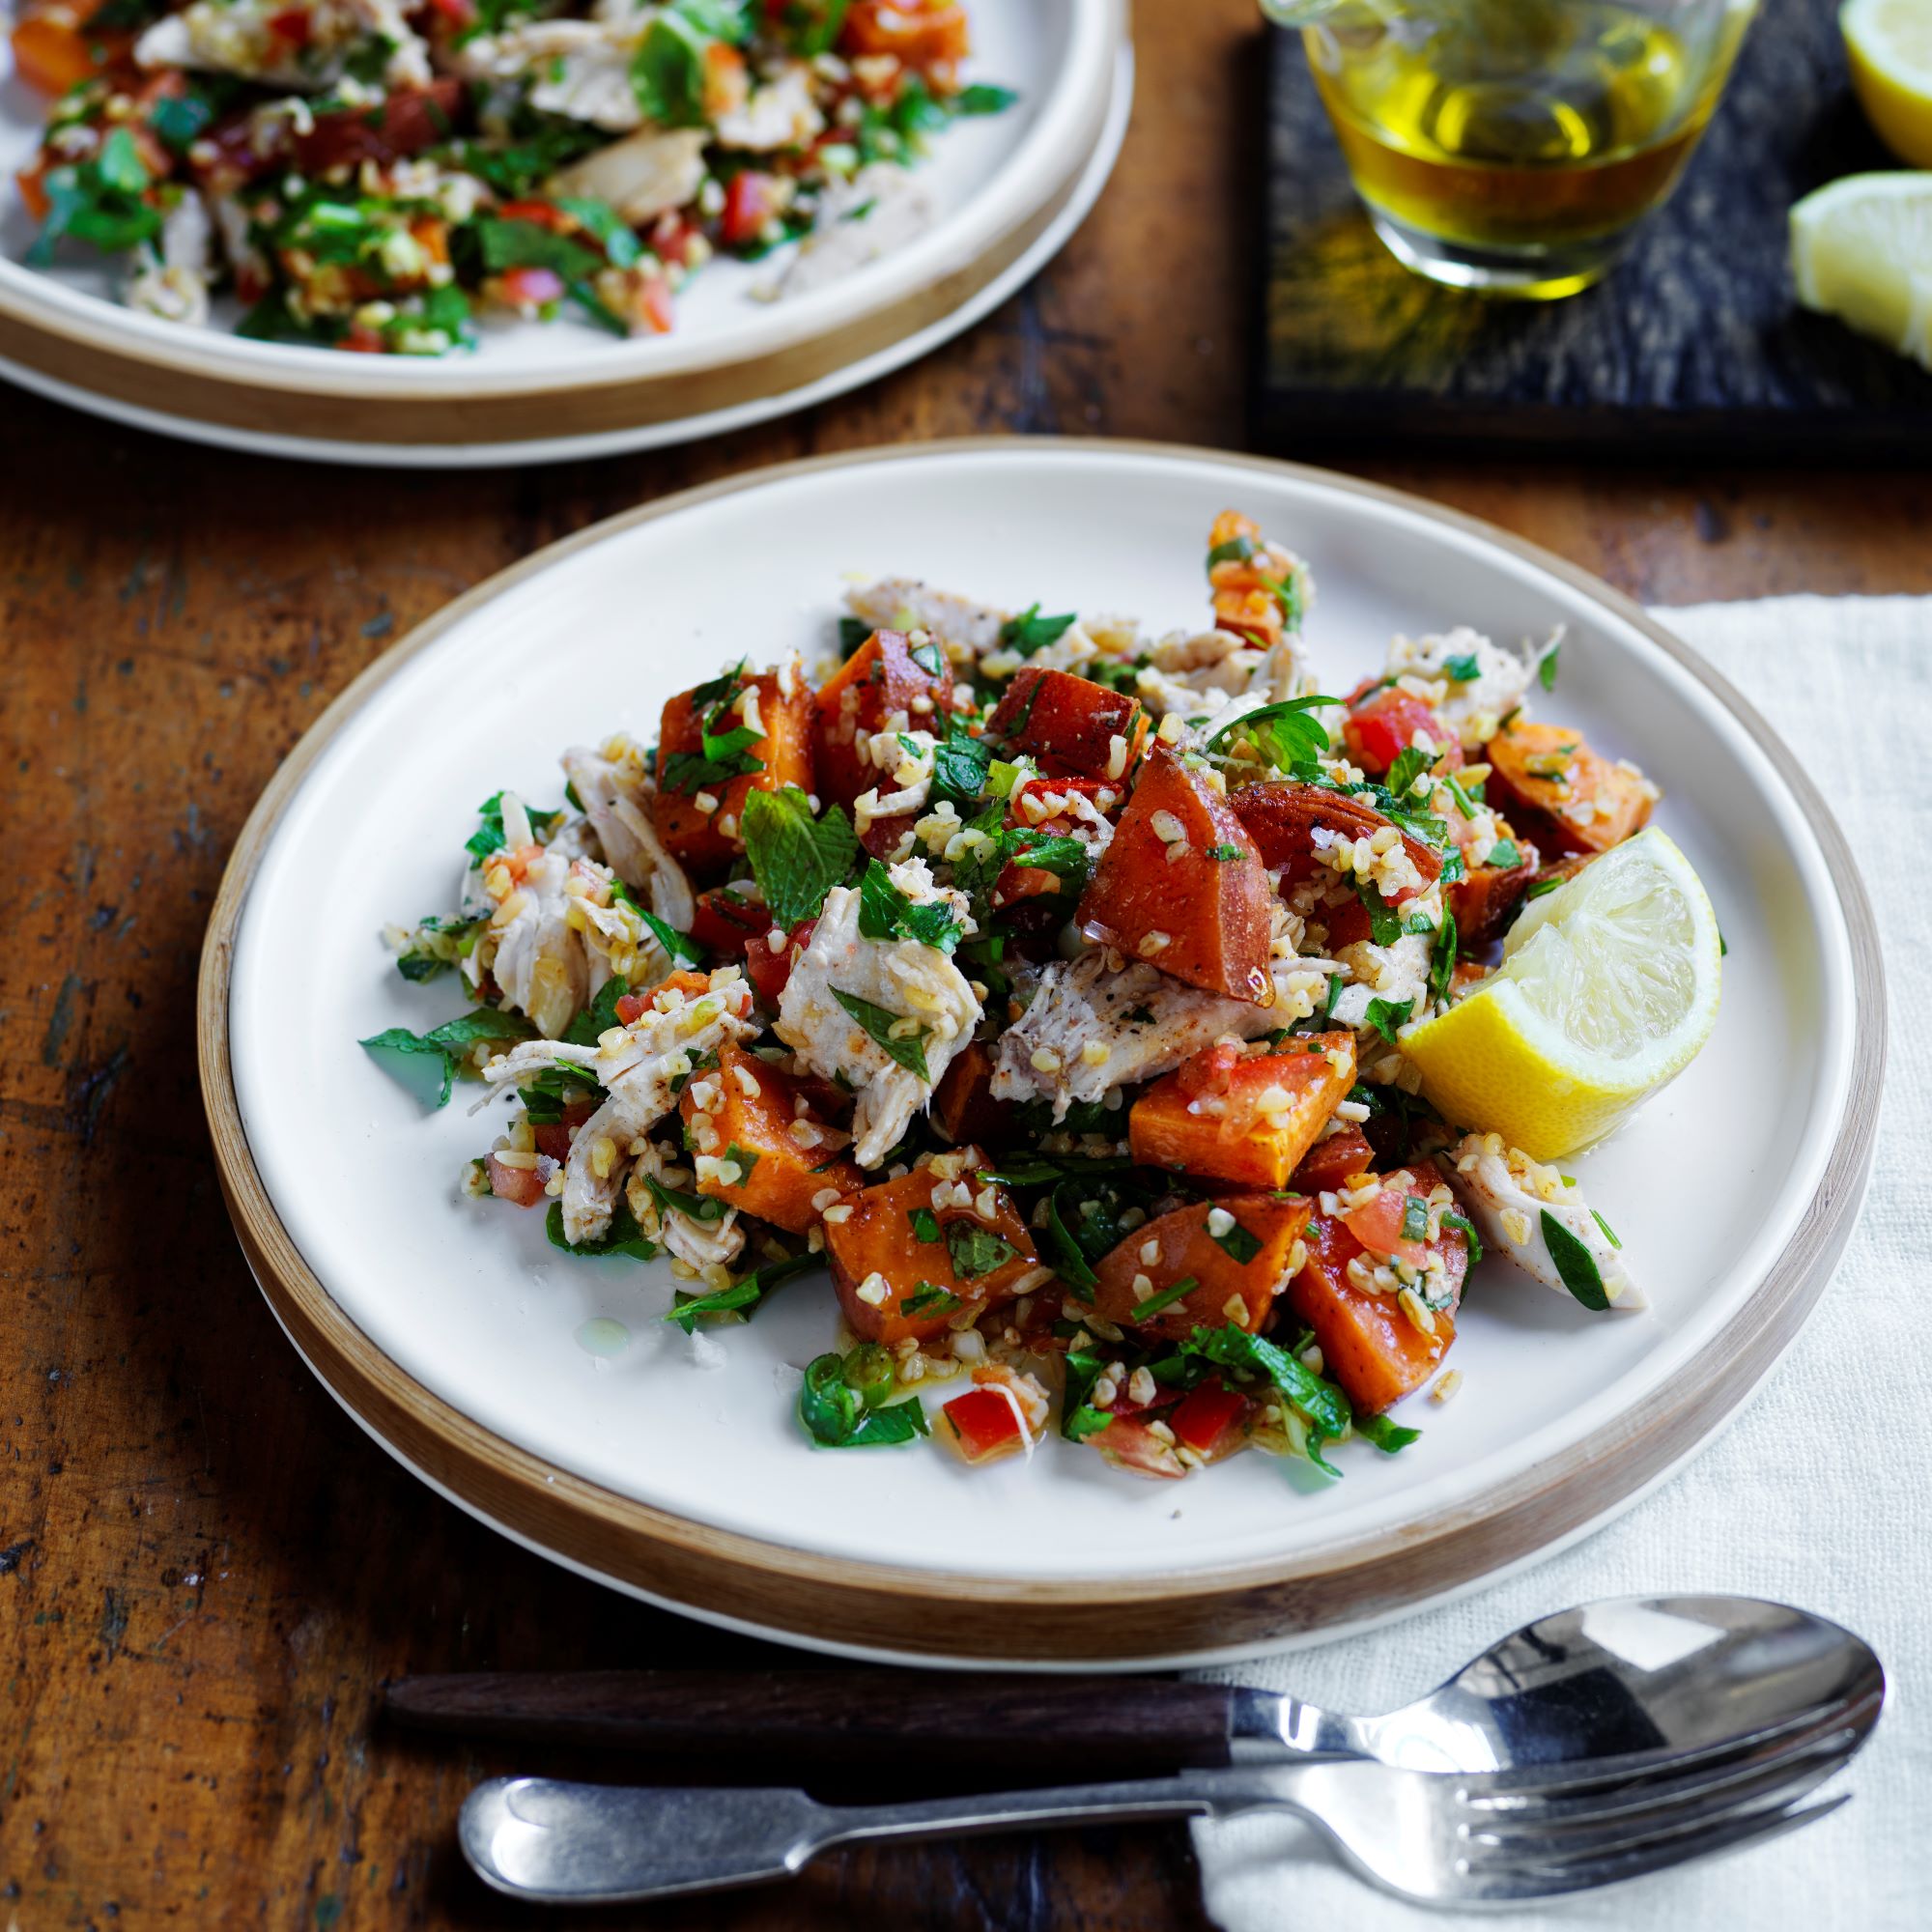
(381, 175)
(1148, 1042)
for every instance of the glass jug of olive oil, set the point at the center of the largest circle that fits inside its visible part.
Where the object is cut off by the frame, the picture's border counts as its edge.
(1513, 146)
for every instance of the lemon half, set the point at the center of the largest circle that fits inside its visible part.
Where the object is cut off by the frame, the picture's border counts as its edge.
(1606, 991)
(1888, 46)
(1861, 250)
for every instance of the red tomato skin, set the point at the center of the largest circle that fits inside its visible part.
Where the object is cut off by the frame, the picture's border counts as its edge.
(1382, 729)
(769, 972)
(750, 200)
(1202, 1414)
(985, 1421)
(519, 1185)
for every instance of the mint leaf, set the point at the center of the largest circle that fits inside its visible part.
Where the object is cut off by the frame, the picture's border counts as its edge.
(1411, 761)
(1029, 632)
(1386, 1436)
(1385, 1016)
(908, 1051)
(796, 859)
(1505, 855)
(1463, 671)
(1545, 667)
(742, 1297)
(976, 1250)
(599, 1017)
(623, 1236)
(1575, 1266)
(1237, 1244)
(1284, 734)
(886, 913)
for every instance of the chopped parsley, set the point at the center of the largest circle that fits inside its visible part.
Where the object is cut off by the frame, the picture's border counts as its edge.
(1414, 1218)
(1505, 855)
(1164, 1297)
(927, 1299)
(1284, 734)
(925, 1223)
(623, 1236)
(1387, 1016)
(743, 1297)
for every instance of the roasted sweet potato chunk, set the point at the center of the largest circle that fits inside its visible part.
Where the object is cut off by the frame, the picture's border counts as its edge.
(1484, 902)
(1075, 727)
(888, 684)
(1332, 1160)
(753, 1113)
(1182, 886)
(1370, 1342)
(1200, 1266)
(1566, 797)
(904, 1265)
(963, 1108)
(1282, 818)
(688, 773)
(1231, 1117)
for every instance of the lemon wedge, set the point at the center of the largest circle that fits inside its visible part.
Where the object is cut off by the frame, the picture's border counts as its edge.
(1606, 991)
(1861, 250)
(1889, 46)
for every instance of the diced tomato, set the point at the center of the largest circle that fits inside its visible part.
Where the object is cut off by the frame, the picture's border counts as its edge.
(293, 26)
(1205, 1415)
(1134, 1446)
(750, 200)
(553, 1137)
(727, 922)
(459, 13)
(409, 120)
(651, 307)
(522, 1186)
(361, 341)
(1380, 730)
(770, 972)
(985, 1424)
(540, 213)
(530, 286)
(1377, 1224)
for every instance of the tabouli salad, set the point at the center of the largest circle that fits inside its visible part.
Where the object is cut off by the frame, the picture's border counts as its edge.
(374, 174)
(1050, 984)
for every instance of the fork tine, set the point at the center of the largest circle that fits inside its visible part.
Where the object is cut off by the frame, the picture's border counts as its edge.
(1715, 1784)
(1502, 1796)
(1626, 1765)
(1533, 1882)
(1533, 1849)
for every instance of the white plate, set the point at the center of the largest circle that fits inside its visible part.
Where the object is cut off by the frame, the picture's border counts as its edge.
(1710, 1188)
(1006, 192)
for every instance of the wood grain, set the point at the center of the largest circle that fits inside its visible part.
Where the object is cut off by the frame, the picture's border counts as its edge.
(205, 1568)
(1696, 338)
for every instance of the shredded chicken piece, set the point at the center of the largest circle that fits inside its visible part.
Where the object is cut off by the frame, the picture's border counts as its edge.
(638, 1066)
(905, 604)
(782, 114)
(1475, 706)
(539, 960)
(237, 36)
(577, 68)
(617, 805)
(915, 984)
(645, 175)
(1507, 1195)
(1147, 1023)
(701, 1244)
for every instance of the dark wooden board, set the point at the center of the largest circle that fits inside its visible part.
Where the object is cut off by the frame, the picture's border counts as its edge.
(1694, 344)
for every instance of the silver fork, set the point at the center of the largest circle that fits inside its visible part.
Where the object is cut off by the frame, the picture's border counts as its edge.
(1439, 1838)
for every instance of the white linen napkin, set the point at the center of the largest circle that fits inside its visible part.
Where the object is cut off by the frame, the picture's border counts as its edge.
(1820, 1494)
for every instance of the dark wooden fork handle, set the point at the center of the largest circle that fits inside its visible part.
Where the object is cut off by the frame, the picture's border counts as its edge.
(1106, 1727)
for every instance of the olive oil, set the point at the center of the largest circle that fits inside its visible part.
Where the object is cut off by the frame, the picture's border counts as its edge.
(1481, 129)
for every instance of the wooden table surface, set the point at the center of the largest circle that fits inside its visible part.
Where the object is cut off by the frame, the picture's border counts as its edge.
(205, 1570)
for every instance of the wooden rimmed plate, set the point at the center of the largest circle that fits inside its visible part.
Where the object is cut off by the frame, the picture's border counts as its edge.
(676, 1470)
(1006, 192)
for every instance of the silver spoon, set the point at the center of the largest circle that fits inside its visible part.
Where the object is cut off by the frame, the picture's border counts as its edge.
(1625, 1678)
